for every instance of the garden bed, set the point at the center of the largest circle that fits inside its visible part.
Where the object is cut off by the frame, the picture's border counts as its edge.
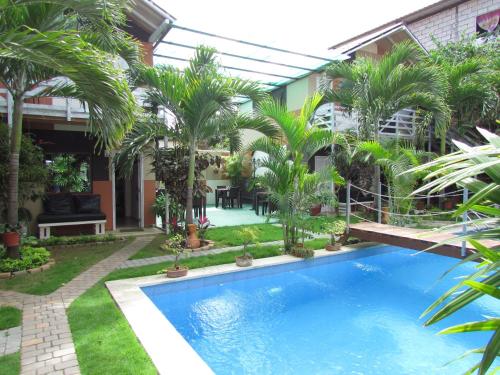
(43, 267)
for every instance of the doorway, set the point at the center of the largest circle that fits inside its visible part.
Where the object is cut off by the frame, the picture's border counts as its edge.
(127, 199)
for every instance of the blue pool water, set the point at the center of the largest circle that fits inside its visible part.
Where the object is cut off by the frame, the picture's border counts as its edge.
(355, 313)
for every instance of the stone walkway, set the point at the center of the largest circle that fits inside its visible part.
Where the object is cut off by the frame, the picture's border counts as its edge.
(10, 340)
(46, 343)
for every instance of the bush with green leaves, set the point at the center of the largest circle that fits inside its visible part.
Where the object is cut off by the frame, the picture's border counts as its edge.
(248, 235)
(32, 171)
(234, 168)
(31, 257)
(73, 240)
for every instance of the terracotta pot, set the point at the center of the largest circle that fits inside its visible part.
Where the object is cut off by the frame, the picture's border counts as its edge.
(192, 241)
(335, 247)
(244, 261)
(315, 210)
(11, 239)
(385, 215)
(420, 205)
(177, 272)
(448, 205)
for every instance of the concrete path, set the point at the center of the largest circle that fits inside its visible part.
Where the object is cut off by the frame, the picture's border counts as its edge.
(46, 343)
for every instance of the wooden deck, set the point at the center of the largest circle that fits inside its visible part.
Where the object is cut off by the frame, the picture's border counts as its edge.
(418, 239)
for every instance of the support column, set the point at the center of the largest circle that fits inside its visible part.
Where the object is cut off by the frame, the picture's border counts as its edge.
(465, 198)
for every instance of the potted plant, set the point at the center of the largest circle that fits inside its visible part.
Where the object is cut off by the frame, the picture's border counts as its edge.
(336, 229)
(203, 223)
(175, 245)
(248, 235)
(11, 237)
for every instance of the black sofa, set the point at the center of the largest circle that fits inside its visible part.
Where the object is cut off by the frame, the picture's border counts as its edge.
(69, 208)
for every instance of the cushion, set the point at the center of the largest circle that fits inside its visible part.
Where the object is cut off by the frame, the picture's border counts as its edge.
(87, 204)
(59, 204)
(69, 218)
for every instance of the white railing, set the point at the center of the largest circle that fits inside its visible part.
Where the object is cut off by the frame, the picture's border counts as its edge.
(66, 108)
(333, 116)
(61, 107)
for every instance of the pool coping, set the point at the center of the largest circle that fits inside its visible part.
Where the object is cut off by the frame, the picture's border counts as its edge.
(168, 350)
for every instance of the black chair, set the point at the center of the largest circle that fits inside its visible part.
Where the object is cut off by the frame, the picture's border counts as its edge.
(220, 195)
(200, 206)
(232, 195)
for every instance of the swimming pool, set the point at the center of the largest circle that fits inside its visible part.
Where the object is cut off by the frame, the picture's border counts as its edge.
(355, 313)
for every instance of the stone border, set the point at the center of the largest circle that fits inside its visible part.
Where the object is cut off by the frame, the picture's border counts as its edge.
(43, 267)
(158, 336)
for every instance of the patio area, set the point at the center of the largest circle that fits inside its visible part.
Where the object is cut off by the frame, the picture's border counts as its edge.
(220, 217)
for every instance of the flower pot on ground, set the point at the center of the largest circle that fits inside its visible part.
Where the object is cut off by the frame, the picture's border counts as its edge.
(193, 241)
(175, 245)
(337, 230)
(315, 210)
(248, 235)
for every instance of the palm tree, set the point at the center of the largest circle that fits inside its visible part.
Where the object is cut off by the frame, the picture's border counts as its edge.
(73, 43)
(377, 89)
(396, 157)
(201, 99)
(477, 169)
(286, 174)
(470, 94)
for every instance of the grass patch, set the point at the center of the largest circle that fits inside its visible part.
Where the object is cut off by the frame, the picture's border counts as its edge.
(108, 345)
(222, 236)
(10, 364)
(70, 262)
(152, 249)
(227, 236)
(9, 317)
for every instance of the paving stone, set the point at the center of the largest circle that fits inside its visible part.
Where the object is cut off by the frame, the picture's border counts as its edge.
(45, 337)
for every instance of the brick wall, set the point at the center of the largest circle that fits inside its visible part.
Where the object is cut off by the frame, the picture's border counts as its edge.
(450, 24)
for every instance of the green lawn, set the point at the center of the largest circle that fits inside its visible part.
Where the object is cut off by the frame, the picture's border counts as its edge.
(152, 249)
(9, 317)
(228, 236)
(108, 345)
(223, 237)
(70, 262)
(10, 364)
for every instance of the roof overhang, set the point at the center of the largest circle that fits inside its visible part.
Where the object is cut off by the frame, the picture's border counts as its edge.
(153, 19)
(369, 38)
(427, 11)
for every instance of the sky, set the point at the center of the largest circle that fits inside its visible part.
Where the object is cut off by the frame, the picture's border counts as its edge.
(307, 26)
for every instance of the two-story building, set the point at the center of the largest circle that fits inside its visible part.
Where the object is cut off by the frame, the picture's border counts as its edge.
(59, 127)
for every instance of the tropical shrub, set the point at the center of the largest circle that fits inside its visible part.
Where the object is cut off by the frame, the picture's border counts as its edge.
(477, 169)
(248, 236)
(292, 188)
(32, 170)
(31, 257)
(396, 157)
(234, 168)
(68, 174)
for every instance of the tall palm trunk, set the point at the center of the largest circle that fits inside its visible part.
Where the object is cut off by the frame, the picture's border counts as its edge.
(15, 148)
(190, 182)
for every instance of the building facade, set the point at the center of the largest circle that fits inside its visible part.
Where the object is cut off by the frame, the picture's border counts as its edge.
(59, 127)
